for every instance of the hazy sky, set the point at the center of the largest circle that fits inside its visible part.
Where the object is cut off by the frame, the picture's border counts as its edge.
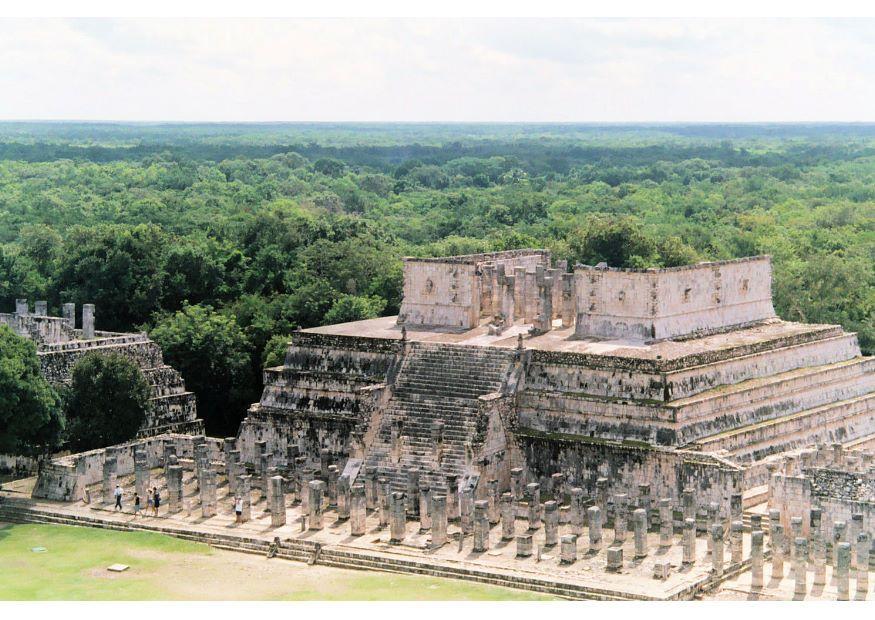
(438, 70)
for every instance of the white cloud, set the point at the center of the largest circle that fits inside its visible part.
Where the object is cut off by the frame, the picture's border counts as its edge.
(438, 70)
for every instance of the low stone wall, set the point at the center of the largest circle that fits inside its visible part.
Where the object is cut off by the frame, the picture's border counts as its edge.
(19, 465)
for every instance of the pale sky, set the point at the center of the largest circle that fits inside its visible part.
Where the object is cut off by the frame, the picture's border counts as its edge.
(585, 70)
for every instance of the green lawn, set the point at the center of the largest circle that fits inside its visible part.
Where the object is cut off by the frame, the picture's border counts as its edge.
(73, 567)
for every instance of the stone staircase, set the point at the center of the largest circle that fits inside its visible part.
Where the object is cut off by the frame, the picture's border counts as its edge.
(437, 383)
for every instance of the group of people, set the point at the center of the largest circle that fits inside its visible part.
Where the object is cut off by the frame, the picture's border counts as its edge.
(153, 502)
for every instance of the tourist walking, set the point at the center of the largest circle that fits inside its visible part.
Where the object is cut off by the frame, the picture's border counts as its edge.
(118, 497)
(157, 500)
(150, 503)
(238, 509)
(136, 504)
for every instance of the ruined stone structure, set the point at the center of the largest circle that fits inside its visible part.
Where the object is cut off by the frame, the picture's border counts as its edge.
(673, 378)
(60, 345)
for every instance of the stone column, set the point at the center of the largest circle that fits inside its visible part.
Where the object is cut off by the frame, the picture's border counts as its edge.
(234, 471)
(594, 514)
(533, 494)
(557, 487)
(384, 491)
(305, 476)
(452, 497)
(800, 546)
(568, 300)
(277, 502)
(519, 298)
(371, 487)
(508, 517)
(756, 560)
(174, 488)
(688, 503)
(41, 308)
(358, 510)
(842, 566)
(717, 549)
(689, 541)
(795, 532)
(601, 495)
(818, 557)
(777, 544)
(839, 532)
(397, 518)
(568, 549)
(551, 523)
(712, 514)
(639, 521)
(614, 560)
(666, 528)
(524, 545)
(317, 492)
(208, 492)
(109, 469)
(68, 311)
(481, 526)
(864, 545)
(856, 526)
(466, 509)
(576, 514)
(424, 506)
(736, 529)
(343, 498)
(516, 483)
(756, 523)
(332, 485)
(620, 518)
(324, 462)
(141, 475)
(644, 502)
(21, 308)
(88, 321)
(412, 496)
(438, 510)
(735, 507)
(244, 490)
(492, 496)
(201, 458)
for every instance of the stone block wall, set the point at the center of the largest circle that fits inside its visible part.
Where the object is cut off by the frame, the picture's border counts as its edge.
(655, 304)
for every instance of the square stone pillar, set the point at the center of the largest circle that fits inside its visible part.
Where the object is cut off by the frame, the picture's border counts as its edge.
(516, 484)
(551, 523)
(736, 538)
(576, 515)
(277, 502)
(317, 495)
(452, 497)
(756, 560)
(639, 521)
(568, 300)
(209, 492)
(854, 530)
(424, 506)
(88, 321)
(666, 525)
(332, 485)
(21, 307)
(41, 308)
(481, 526)
(614, 560)
(343, 498)
(557, 487)
(141, 475)
(437, 438)
(68, 311)
(109, 471)
(412, 495)
(645, 502)
(324, 462)
(620, 518)
(776, 532)
(519, 293)
(174, 488)
(244, 490)
(305, 477)
(438, 510)
(717, 550)
(358, 510)
(371, 492)
(712, 512)
(756, 523)
(864, 546)
(508, 517)
(688, 503)
(524, 546)
(568, 549)
(169, 454)
(689, 541)
(800, 546)
(492, 496)
(839, 535)
(466, 508)
(533, 495)
(594, 514)
(383, 497)
(735, 507)
(397, 518)
(842, 568)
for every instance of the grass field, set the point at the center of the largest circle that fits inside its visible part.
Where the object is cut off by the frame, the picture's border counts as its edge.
(74, 567)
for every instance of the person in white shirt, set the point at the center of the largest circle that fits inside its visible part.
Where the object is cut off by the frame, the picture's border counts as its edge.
(118, 497)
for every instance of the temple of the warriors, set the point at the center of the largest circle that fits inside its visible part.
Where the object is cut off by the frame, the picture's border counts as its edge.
(589, 432)
(60, 345)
